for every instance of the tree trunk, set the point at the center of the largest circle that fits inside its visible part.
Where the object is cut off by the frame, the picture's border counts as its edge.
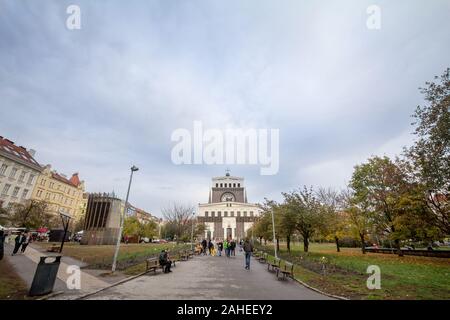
(278, 244)
(288, 243)
(305, 243)
(397, 246)
(338, 249)
(363, 245)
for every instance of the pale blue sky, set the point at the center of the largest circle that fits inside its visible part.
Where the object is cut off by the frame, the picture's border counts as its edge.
(99, 99)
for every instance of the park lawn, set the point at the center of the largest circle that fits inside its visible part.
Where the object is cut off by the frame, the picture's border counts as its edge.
(408, 277)
(12, 287)
(101, 256)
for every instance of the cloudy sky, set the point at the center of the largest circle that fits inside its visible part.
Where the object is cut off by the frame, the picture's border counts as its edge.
(99, 99)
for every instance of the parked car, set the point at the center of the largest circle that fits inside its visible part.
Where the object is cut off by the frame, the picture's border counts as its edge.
(144, 240)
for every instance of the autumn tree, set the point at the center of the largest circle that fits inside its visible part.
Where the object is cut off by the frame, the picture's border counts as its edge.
(179, 218)
(31, 214)
(306, 207)
(379, 185)
(430, 153)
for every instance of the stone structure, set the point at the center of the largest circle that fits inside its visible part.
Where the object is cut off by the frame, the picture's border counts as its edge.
(102, 220)
(227, 213)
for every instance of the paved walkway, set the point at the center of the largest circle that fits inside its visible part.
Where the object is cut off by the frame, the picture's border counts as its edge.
(206, 277)
(25, 265)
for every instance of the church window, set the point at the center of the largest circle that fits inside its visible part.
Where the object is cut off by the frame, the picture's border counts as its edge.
(232, 214)
(213, 214)
(234, 185)
(217, 185)
(239, 185)
(225, 214)
(219, 214)
(206, 213)
(238, 213)
(221, 185)
(245, 213)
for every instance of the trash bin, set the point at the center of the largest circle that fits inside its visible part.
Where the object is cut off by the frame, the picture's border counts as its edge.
(45, 276)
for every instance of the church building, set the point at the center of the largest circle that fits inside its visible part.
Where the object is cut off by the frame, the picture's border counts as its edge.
(227, 213)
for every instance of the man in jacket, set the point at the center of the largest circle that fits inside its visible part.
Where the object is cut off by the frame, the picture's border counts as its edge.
(164, 261)
(19, 240)
(248, 249)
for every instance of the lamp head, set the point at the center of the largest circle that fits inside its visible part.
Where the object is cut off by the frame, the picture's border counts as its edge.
(134, 168)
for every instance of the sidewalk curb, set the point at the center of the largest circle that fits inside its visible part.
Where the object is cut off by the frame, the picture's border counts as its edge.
(113, 285)
(319, 291)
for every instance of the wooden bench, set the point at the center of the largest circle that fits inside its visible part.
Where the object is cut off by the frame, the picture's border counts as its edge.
(287, 271)
(152, 264)
(274, 264)
(184, 255)
(175, 258)
(54, 248)
(190, 253)
(263, 257)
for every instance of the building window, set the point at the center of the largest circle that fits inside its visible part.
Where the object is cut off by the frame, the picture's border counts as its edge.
(239, 185)
(251, 213)
(238, 213)
(47, 196)
(221, 185)
(24, 193)
(245, 213)
(22, 176)
(217, 185)
(206, 213)
(234, 185)
(16, 191)
(52, 185)
(225, 214)
(219, 214)
(213, 214)
(232, 214)
(6, 189)
(9, 206)
(3, 169)
(13, 173)
(30, 179)
(42, 182)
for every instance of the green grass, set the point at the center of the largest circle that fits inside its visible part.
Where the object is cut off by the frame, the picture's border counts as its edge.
(100, 257)
(408, 277)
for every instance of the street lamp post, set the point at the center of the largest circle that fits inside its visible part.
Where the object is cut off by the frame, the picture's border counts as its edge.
(65, 221)
(274, 240)
(122, 217)
(192, 232)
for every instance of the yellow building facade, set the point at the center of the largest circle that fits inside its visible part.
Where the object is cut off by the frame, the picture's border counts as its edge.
(61, 193)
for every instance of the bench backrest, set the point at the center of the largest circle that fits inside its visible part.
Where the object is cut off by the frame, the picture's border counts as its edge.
(289, 267)
(276, 261)
(152, 261)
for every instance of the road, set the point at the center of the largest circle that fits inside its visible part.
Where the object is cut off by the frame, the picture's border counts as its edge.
(206, 277)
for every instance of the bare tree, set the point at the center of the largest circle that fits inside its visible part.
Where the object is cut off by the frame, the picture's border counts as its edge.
(180, 217)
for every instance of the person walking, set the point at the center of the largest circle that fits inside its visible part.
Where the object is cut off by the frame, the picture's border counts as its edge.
(210, 247)
(233, 248)
(26, 242)
(248, 249)
(226, 246)
(219, 248)
(18, 242)
(204, 243)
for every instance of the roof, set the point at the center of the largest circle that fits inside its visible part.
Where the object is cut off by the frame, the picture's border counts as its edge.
(17, 153)
(60, 178)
